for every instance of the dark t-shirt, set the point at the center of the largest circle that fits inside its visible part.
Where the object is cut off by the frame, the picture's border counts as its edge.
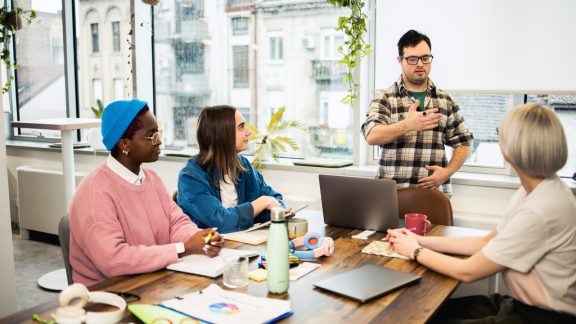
(419, 96)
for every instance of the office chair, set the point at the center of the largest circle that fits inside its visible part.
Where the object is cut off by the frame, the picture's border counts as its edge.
(64, 237)
(434, 203)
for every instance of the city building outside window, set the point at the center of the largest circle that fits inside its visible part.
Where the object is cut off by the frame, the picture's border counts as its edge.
(241, 66)
(199, 65)
(95, 38)
(240, 25)
(116, 36)
(40, 77)
(276, 46)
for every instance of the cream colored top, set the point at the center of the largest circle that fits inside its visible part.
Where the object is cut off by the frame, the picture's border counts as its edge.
(537, 243)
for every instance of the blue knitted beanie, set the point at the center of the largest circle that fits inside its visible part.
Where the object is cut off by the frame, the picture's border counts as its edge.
(116, 118)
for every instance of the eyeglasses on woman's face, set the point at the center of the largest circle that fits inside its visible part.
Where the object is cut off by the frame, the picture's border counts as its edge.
(156, 138)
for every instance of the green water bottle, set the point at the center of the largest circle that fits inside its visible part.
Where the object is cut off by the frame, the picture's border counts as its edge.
(277, 253)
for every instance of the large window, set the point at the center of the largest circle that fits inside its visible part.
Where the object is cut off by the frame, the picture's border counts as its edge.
(292, 71)
(107, 76)
(263, 55)
(40, 81)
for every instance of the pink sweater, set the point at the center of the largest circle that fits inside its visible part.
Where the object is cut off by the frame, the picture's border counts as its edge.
(117, 228)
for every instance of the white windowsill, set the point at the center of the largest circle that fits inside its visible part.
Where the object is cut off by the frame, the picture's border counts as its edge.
(459, 178)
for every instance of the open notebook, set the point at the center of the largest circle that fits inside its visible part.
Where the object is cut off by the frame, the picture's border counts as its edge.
(254, 235)
(205, 266)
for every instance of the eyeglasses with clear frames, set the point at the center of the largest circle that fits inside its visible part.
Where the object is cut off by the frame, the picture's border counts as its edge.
(413, 60)
(156, 138)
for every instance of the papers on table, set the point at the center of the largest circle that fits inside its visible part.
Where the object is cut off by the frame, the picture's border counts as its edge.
(255, 235)
(382, 248)
(217, 305)
(205, 266)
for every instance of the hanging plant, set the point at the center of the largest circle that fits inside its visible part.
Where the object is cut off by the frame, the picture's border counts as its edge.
(355, 48)
(10, 22)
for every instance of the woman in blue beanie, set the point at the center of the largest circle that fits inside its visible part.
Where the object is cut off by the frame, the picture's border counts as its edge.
(122, 219)
(220, 188)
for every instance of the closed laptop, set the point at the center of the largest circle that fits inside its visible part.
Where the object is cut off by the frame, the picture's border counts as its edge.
(367, 282)
(362, 203)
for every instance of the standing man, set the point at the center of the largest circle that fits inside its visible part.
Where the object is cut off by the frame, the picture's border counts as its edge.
(413, 120)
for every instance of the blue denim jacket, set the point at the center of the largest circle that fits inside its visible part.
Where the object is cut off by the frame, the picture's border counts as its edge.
(200, 199)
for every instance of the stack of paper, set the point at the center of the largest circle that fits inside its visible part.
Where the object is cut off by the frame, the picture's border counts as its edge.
(205, 266)
(382, 248)
(217, 305)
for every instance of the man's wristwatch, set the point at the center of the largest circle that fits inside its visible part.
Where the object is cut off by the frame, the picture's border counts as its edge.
(416, 253)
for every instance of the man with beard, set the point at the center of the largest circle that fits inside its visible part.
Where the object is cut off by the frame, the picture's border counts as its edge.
(412, 121)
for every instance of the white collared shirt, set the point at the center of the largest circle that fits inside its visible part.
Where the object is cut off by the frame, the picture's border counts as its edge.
(124, 173)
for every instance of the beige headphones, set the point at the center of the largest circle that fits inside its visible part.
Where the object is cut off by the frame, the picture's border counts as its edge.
(75, 297)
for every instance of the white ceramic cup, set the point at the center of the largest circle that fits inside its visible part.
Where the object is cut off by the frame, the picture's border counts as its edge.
(297, 227)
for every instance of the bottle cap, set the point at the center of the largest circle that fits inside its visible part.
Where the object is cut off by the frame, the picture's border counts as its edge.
(277, 214)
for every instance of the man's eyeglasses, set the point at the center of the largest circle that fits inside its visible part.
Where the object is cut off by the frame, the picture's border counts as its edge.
(413, 60)
(156, 138)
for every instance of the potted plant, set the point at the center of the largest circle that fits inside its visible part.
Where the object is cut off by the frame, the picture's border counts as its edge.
(271, 144)
(10, 22)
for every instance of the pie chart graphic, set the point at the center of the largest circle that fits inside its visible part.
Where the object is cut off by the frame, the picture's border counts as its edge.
(224, 309)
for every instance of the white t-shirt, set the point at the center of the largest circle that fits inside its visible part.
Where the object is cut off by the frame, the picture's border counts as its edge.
(228, 193)
(537, 243)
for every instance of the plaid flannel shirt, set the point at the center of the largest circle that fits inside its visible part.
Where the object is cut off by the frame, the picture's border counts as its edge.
(403, 160)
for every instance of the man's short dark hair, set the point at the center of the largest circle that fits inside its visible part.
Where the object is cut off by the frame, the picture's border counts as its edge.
(410, 39)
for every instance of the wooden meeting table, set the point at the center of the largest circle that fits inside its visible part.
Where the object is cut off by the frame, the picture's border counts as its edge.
(413, 304)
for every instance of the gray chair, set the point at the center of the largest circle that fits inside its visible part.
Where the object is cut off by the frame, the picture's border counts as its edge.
(64, 237)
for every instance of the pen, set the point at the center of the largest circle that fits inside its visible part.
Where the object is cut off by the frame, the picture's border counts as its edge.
(207, 238)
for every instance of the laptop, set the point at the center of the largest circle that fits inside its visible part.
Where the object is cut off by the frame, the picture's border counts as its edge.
(367, 282)
(362, 203)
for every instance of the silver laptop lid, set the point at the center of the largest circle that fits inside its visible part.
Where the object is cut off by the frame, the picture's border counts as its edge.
(367, 282)
(362, 203)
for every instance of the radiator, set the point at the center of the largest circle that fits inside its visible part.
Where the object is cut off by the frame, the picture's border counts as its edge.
(41, 199)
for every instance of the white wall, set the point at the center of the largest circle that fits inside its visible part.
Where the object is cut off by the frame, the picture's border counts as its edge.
(512, 45)
(7, 274)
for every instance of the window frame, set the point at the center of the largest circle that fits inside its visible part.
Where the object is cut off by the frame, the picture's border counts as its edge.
(95, 38)
(116, 32)
(277, 49)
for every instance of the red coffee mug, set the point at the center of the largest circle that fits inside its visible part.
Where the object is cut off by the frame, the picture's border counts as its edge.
(417, 223)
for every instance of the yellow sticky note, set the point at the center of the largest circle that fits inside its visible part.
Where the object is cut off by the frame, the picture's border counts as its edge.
(258, 275)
